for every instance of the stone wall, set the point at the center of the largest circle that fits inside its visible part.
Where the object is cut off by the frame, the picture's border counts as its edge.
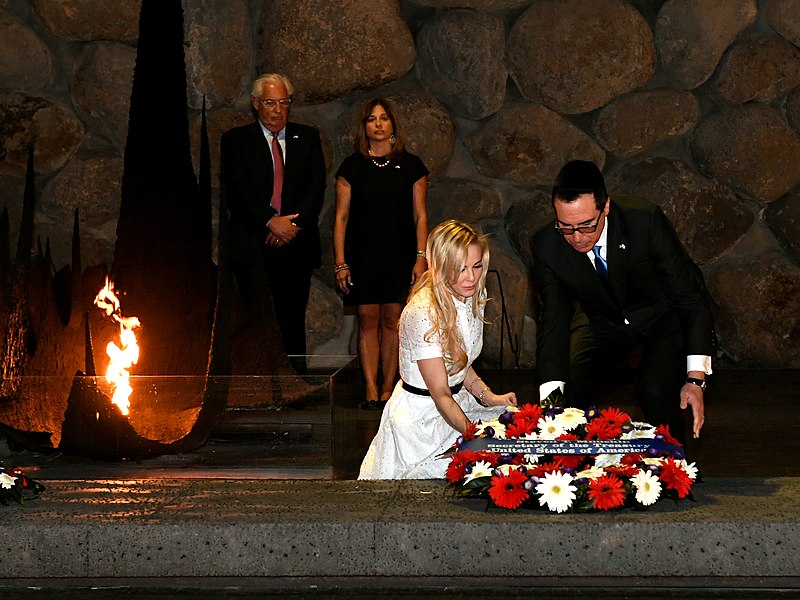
(694, 104)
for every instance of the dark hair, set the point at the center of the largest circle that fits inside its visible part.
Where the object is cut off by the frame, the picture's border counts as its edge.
(579, 177)
(362, 143)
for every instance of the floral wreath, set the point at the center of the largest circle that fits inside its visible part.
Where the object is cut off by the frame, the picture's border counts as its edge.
(15, 486)
(560, 459)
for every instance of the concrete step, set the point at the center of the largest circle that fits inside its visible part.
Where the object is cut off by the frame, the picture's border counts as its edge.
(737, 528)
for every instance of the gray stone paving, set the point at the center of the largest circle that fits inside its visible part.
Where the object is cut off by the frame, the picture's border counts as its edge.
(289, 528)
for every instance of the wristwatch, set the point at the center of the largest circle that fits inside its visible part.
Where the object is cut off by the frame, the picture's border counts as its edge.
(698, 382)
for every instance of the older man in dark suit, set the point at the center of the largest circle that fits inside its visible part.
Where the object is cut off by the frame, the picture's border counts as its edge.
(612, 276)
(273, 180)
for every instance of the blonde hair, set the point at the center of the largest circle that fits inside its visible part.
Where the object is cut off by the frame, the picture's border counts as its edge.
(447, 247)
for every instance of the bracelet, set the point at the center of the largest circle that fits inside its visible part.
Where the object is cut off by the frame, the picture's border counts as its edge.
(421, 254)
(340, 268)
(480, 396)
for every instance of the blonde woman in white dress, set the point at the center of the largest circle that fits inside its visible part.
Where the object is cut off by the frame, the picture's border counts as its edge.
(441, 334)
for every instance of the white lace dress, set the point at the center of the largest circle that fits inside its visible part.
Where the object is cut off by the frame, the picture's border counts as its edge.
(412, 433)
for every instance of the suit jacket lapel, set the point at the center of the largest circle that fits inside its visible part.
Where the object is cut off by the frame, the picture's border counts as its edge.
(582, 269)
(260, 155)
(617, 253)
(293, 143)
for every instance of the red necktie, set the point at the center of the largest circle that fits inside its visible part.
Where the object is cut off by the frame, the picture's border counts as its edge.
(277, 176)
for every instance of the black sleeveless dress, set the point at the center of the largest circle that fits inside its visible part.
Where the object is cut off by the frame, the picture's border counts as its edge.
(381, 237)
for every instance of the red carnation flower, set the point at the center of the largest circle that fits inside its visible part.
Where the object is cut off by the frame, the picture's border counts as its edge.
(673, 475)
(600, 429)
(623, 471)
(632, 458)
(529, 412)
(519, 428)
(470, 431)
(490, 457)
(615, 416)
(457, 467)
(507, 490)
(542, 469)
(570, 461)
(664, 430)
(607, 492)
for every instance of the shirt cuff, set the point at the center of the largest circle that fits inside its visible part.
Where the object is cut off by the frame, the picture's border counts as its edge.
(546, 388)
(699, 362)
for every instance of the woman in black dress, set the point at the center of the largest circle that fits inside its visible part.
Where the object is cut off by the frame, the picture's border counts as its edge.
(379, 237)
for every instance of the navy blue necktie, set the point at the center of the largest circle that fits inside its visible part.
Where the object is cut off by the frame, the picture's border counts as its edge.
(600, 264)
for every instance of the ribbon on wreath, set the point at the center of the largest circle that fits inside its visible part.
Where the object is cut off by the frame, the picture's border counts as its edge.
(642, 445)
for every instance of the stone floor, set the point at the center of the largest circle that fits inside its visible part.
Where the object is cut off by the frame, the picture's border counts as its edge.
(258, 511)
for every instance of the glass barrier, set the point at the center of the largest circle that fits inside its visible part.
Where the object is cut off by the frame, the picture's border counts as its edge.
(306, 426)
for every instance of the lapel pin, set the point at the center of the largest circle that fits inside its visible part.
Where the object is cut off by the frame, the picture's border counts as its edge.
(622, 246)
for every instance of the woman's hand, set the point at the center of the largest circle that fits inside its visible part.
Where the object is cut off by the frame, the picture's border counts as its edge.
(343, 281)
(492, 399)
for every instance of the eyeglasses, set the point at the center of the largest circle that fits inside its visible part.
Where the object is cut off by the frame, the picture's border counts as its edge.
(581, 228)
(272, 104)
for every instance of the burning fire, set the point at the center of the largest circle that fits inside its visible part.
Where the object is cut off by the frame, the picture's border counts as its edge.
(123, 356)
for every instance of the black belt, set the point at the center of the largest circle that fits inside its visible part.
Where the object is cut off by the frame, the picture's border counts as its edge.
(423, 392)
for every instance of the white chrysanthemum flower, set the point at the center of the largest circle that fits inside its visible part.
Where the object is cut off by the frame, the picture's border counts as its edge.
(549, 428)
(6, 481)
(648, 487)
(690, 468)
(652, 461)
(479, 469)
(590, 473)
(608, 460)
(571, 418)
(556, 491)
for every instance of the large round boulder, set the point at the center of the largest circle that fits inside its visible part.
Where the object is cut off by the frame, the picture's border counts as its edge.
(460, 61)
(101, 82)
(49, 126)
(761, 67)
(758, 291)
(574, 56)
(692, 36)
(527, 143)
(750, 148)
(707, 216)
(330, 49)
(85, 20)
(661, 114)
(218, 48)
(93, 186)
(25, 60)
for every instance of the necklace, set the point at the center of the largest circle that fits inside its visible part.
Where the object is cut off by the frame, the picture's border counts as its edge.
(376, 163)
